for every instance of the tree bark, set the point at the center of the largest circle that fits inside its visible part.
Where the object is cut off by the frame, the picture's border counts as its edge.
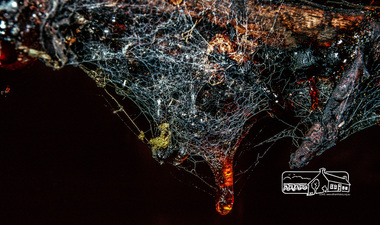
(295, 23)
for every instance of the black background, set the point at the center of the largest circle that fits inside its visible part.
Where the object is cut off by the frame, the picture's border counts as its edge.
(65, 158)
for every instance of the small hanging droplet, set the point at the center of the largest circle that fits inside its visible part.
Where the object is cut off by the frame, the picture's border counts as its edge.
(225, 184)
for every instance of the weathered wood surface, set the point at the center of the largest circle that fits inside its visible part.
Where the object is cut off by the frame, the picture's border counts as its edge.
(293, 24)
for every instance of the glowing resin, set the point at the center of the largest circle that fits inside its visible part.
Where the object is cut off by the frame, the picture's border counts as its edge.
(222, 168)
(225, 193)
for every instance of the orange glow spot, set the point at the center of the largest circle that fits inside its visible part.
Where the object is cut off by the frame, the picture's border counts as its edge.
(70, 40)
(7, 90)
(175, 2)
(225, 183)
(325, 44)
(228, 176)
(223, 209)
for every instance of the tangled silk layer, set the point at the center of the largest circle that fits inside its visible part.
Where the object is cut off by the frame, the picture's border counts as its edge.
(203, 72)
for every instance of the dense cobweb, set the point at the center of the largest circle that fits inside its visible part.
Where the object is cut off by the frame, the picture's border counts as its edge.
(203, 72)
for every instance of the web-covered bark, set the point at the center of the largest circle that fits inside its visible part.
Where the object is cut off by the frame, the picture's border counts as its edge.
(202, 72)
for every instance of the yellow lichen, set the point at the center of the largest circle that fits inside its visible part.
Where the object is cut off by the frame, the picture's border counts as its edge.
(162, 141)
(141, 136)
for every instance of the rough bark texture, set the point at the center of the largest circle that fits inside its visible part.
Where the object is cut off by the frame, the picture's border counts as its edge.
(325, 134)
(297, 24)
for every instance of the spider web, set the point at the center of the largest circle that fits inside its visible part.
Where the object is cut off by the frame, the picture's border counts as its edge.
(202, 76)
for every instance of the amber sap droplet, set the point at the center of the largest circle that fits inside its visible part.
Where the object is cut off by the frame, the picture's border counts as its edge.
(225, 193)
(175, 2)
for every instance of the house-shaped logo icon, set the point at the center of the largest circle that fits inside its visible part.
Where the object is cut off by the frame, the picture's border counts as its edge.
(320, 182)
(325, 182)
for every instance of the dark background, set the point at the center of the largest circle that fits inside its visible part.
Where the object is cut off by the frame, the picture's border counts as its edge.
(65, 158)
